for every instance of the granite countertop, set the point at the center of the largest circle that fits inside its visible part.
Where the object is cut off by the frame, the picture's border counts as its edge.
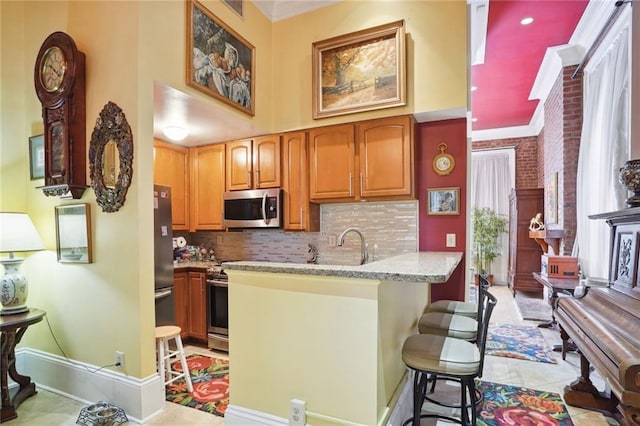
(193, 264)
(429, 266)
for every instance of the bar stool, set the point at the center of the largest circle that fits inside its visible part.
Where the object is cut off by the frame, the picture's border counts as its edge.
(166, 355)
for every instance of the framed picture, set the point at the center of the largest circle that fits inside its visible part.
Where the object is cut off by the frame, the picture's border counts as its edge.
(625, 257)
(551, 200)
(36, 157)
(235, 5)
(443, 201)
(73, 233)
(219, 61)
(359, 71)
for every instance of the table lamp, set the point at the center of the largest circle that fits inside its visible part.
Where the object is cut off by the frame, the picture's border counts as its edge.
(17, 233)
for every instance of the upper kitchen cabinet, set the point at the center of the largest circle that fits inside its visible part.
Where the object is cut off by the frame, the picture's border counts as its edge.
(386, 152)
(299, 213)
(207, 187)
(369, 160)
(253, 164)
(332, 165)
(171, 168)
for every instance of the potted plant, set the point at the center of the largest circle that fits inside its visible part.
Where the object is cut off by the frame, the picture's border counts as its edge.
(487, 227)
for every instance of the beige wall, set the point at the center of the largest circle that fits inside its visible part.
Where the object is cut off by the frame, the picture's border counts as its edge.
(436, 56)
(106, 306)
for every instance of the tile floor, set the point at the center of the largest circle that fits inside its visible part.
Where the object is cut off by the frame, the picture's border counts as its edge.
(47, 408)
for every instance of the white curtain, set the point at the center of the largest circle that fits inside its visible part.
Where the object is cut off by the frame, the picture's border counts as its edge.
(492, 178)
(604, 147)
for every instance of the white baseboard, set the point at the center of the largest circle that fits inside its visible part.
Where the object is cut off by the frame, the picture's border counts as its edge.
(239, 416)
(404, 406)
(141, 399)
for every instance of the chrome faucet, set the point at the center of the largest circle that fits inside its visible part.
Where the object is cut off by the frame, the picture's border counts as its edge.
(364, 255)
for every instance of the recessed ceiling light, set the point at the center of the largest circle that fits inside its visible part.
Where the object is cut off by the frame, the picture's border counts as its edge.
(175, 133)
(474, 88)
(474, 119)
(527, 21)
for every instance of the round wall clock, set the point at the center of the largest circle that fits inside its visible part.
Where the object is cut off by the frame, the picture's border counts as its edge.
(59, 80)
(443, 163)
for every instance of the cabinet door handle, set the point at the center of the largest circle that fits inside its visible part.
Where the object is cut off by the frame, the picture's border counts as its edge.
(257, 182)
(350, 184)
(361, 183)
(301, 216)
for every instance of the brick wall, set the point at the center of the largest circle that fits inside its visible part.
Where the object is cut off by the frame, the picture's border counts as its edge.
(527, 158)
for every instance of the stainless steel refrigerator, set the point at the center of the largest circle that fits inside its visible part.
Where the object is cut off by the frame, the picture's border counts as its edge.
(163, 250)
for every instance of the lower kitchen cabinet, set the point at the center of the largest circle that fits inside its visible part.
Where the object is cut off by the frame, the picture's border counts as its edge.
(197, 305)
(189, 289)
(181, 302)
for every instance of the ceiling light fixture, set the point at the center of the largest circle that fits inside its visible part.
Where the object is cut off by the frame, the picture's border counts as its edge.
(175, 133)
(527, 21)
(474, 119)
(474, 88)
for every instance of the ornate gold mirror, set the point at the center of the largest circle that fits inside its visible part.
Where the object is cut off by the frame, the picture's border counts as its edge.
(111, 158)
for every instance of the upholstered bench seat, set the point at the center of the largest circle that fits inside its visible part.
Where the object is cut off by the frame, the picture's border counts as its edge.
(450, 325)
(441, 355)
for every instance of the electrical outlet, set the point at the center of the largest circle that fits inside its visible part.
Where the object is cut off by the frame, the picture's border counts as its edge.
(451, 240)
(332, 240)
(120, 360)
(297, 416)
(219, 239)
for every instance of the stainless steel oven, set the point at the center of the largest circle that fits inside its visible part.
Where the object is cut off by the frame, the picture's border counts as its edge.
(218, 311)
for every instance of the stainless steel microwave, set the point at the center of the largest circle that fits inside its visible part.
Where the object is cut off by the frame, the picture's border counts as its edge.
(259, 208)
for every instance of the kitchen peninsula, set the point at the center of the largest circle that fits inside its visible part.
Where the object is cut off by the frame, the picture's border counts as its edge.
(330, 335)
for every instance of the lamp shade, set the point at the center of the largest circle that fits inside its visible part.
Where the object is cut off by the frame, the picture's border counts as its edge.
(17, 233)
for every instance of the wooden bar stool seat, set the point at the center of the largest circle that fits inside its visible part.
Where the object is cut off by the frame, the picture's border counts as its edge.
(166, 355)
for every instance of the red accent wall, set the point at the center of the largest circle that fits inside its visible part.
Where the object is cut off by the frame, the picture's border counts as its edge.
(434, 229)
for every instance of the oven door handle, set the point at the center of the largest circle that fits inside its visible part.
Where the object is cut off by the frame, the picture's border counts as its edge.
(218, 283)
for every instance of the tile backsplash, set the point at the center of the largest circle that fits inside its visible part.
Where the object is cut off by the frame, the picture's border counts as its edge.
(389, 228)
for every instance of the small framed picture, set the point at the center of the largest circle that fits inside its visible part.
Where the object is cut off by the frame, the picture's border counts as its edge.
(443, 201)
(73, 233)
(36, 157)
(625, 258)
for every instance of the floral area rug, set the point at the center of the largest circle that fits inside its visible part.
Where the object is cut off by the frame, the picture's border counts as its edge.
(518, 341)
(513, 405)
(210, 379)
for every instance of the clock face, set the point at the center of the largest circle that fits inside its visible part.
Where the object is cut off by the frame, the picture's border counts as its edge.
(53, 69)
(443, 163)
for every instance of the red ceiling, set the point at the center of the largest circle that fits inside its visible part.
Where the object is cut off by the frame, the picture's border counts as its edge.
(513, 55)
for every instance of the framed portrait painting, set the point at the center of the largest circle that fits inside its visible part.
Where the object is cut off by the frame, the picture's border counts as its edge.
(219, 61)
(443, 201)
(359, 71)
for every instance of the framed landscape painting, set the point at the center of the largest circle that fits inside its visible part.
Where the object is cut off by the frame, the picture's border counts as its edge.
(219, 61)
(359, 71)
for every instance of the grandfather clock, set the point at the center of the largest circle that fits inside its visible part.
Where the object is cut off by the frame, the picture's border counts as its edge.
(59, 79)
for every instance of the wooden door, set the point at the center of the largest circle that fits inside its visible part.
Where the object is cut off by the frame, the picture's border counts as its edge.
(239, 165)
(181, 302)
(299, 213)
(197, 305)
(385, 149)
(266, 162)
(332, 164)
(208, 186)
(171, 168)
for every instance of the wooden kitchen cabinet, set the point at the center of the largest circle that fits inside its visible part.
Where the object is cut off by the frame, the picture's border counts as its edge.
(332, 163)
(299, 213)
(171, 168)
(181, 302)
(253, 164)
(373, 159)
(207, 187)
(197, 305)
(386, 153)
(524, 252)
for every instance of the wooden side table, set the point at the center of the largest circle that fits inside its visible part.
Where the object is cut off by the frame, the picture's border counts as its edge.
(12, 328)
